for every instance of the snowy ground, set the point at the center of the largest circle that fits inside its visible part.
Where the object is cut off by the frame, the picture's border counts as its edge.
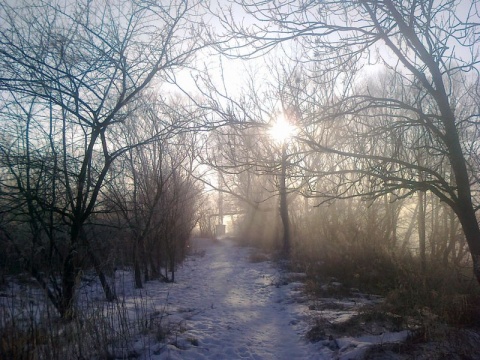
(233, 309)
(224, 306)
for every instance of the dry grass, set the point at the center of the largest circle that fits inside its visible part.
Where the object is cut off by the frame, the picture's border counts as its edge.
(100, 330)
(439, 305)
(448, 294)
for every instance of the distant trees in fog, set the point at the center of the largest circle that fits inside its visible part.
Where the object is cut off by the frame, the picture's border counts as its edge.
(385, 97)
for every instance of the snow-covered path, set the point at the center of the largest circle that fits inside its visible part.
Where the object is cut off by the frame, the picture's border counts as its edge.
(230, 308)
(222, 306)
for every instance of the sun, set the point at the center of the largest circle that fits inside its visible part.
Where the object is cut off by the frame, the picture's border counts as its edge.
(281, 130)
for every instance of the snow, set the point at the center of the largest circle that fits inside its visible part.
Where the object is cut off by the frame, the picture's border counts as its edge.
(224, 306)
(351, 348)
(233, 308)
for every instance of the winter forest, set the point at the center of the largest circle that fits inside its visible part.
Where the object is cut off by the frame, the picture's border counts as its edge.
(239, 179)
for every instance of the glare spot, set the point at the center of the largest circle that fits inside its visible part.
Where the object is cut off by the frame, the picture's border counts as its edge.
(281, 130)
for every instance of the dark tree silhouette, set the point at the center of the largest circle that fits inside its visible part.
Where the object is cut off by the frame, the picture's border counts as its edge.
(67, 74)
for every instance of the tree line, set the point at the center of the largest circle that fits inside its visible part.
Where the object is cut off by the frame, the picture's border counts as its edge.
(383, 94)
(83, 142)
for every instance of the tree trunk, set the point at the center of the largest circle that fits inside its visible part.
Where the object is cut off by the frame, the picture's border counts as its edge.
(409, 232)
(391, 222)
(107, 289)
(284, 204)
(109, 292)
(471, 230)
(172, 266)
(450, 220)
(69, 276)
(463, 205)
(435, 224)
(421, 230)
(136, 265)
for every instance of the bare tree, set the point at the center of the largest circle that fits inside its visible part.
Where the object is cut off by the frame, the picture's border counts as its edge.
(148, 187)
(430, 47)
(68, 73)
(262, 173)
